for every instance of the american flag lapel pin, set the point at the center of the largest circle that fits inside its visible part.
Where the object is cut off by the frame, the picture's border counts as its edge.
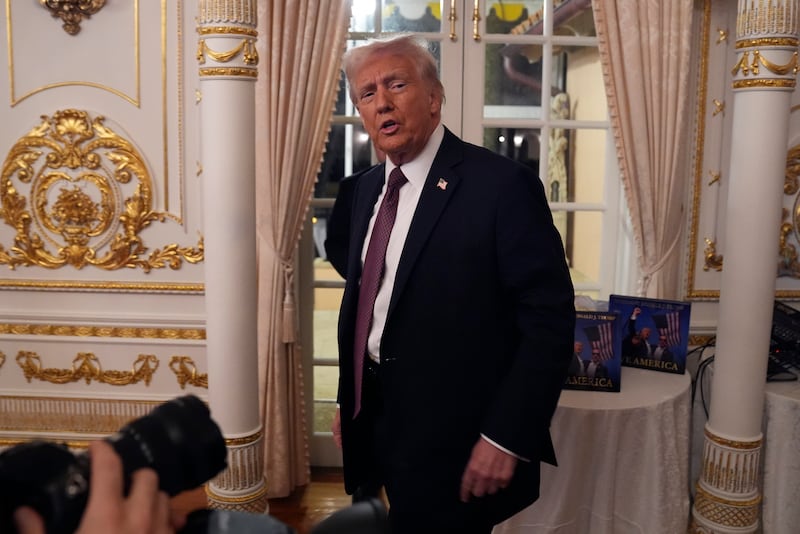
(442, 184)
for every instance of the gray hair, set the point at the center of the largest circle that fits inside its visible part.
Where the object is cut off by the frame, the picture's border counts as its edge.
(408, 45)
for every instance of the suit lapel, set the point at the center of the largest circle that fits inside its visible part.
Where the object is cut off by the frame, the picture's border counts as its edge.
(440, 185)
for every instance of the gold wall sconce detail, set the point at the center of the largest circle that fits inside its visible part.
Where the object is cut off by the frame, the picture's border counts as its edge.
(185, 370)
(713, 260)
(72, 12)
(87, 366)
(77, 193)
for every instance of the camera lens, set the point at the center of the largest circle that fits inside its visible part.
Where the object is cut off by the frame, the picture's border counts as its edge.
(177, 439)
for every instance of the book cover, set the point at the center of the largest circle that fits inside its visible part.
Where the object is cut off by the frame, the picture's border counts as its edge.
(655, 332)
(596, 363)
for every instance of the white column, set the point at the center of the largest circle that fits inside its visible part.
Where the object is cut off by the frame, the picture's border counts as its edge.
(728, 498)
(227, 69)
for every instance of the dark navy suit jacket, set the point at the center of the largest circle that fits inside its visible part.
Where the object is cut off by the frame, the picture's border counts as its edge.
(479, 333)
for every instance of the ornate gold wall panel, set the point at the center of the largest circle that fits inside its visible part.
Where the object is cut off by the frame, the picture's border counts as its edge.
(78, 193)
(756, 66)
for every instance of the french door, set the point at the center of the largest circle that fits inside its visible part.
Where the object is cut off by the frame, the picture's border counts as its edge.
(522, 78)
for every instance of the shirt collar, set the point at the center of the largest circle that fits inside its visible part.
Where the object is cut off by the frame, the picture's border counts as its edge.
(416, 171)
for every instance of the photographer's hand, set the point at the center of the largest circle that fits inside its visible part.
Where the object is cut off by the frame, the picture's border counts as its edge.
(144, 510)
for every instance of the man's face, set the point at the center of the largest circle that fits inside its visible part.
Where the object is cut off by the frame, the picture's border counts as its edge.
(398, 108)
(596, 356)
(662, 341)
(578, 347)
(645, 333)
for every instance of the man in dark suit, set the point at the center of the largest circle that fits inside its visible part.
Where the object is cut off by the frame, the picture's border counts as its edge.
(595, 368)
(471, 333)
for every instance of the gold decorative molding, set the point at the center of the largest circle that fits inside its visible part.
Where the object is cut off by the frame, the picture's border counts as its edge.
(719, 107)
(247, 48)
(764, 17)
(227, 30)
(87, 366)
(246, 440)
(228, 11)
(254, 504)
(72, 12)
(768, 42)
(730, 443)
(712, 259)
(768, 83)
(790, 67)
(2, 358)
(722, 35)
(229, 71)
(121, 287)
(698, 340)
(76, 172)
(725, 511)
(715, 177)
(701, 118)
(186, 372)
(69, 414)
(136, 332)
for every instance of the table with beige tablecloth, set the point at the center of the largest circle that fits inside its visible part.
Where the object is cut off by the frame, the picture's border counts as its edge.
(623, 461)
(781, 458)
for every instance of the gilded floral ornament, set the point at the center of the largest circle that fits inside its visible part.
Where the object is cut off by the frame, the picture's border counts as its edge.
(72, 12)
(86, 366)
(77, 193)
(186, 372)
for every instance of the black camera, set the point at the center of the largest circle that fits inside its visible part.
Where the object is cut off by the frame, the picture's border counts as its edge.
(177, 439)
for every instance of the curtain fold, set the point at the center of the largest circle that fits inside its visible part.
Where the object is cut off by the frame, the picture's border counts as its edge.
(645, 52)
(301, 43)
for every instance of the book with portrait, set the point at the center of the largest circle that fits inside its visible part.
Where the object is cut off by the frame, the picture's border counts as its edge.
(655, 332)
(597, 354)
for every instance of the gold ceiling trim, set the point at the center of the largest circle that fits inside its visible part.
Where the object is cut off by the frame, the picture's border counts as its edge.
(28, 329)
(86, 366)
(77, 171)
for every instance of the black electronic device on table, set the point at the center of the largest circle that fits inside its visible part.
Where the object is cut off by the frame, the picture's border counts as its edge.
(784, 350)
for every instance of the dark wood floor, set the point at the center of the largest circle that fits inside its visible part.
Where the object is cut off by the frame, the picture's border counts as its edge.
(304, 508)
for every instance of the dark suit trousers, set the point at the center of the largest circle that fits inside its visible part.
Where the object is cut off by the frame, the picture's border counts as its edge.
(421, 500)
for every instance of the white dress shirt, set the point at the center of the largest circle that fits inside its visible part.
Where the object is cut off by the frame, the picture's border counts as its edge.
(416, 172)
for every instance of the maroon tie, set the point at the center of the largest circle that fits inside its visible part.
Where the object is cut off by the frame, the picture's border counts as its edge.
(372, 273)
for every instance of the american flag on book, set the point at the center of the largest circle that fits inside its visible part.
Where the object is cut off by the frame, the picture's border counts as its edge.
(601, 338)
(669, 326)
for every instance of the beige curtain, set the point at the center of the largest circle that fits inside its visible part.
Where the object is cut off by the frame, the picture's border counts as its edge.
(644, 49)
(301, 44)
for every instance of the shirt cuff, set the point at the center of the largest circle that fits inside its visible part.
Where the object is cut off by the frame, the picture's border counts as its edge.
(517, 456)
